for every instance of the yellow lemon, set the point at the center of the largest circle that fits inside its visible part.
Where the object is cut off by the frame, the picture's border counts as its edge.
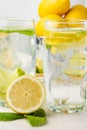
(25, 94)
(59, 7)
(40, 26)
(77, 12)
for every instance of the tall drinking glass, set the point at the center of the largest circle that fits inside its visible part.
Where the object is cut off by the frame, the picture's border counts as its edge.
(65, 65)
(17, 51)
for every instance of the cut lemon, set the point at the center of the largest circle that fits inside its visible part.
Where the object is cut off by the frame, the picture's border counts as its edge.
(57, 41)
(76, 66)
(78, 59)
(75, 72)
(25, 94)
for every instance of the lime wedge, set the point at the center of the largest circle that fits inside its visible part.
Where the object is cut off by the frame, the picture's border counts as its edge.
(39, 65)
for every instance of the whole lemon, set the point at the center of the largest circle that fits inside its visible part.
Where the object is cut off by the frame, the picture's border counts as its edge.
(41, 23)
(77, 12)
(59, 7)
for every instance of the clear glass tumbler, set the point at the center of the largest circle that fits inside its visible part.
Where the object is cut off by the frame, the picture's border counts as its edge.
(17, 51)
(65, 65)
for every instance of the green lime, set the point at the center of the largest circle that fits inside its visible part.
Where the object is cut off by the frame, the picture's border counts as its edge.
(39, 65)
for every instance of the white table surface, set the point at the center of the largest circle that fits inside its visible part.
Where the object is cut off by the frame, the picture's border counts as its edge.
(55, 121)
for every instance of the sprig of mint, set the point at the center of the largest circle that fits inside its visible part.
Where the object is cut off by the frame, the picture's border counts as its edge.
(7, 116)
(37, 118)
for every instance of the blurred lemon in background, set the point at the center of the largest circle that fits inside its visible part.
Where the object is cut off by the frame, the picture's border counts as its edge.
(77, 12)
(59, 7)
(40, 26)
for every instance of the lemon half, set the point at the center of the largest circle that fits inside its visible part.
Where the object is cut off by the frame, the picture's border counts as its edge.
(25, 95)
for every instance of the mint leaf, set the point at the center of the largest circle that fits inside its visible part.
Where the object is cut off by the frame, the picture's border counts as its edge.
(8, 116)
(38, 118)
(40, 113)
(36, 121)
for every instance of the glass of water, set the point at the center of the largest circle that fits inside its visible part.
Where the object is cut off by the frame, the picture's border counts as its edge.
(65, 65)
(17, 51)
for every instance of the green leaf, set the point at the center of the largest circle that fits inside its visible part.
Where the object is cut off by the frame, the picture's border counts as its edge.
(38, 118)
(36, 121)
(40, 113)
(8, 116)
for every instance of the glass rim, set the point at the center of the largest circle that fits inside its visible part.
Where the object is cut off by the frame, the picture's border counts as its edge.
(18, 19)
(67, 21)
(14, 23)
(73, 23)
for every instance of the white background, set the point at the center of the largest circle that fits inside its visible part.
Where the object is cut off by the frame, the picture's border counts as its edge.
(24, 8)
(19, 8)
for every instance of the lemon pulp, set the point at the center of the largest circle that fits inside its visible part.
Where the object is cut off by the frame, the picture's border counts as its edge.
(25, 94)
